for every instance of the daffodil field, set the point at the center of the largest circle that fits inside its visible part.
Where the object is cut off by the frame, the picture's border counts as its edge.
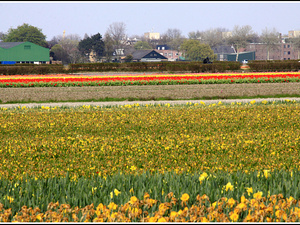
(153, 163)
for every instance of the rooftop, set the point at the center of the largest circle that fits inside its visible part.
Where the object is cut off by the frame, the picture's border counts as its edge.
(9, 44)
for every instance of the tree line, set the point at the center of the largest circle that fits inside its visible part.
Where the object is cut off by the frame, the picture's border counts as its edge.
(197, 46)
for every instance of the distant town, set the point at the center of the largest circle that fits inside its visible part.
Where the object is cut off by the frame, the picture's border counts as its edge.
(217, 44)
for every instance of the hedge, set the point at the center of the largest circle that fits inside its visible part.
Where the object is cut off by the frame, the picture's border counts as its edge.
(169, 67)
(22, 69)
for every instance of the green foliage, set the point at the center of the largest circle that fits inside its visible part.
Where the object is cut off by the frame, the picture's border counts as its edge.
(196, 51)
(25, 33)
(81, 192)
(128, 58)
(93, 43)
(67, 51)
(58, 52)
(140, 45)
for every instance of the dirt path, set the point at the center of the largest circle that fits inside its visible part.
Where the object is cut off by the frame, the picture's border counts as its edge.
(147, 92)
(91, 95)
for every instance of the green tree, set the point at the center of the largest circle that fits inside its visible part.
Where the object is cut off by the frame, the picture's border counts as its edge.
(2, 36)
(58, 53)
(25, 33)
(128, 58)
(194, 50)
(142, 45)
(93, 43)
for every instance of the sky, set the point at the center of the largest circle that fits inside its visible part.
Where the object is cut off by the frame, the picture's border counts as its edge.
(91, 17)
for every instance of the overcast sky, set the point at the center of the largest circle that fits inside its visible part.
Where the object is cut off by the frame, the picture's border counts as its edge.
(80, 17)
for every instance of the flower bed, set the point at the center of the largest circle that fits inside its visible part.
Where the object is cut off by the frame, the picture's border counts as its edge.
(150, 79)
(153, 163)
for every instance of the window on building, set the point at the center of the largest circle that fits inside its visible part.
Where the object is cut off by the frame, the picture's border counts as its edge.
(158, 48)
(289, 52)
(166, 54)
(163, 48)
(288, 58)
(284, 46)
(284, 53)
(154, 54)
(284, 58)
(288, 46)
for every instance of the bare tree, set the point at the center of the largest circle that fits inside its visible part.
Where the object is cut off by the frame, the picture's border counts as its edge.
(67, 48)
(173, 38)
(270, 37)
(212, 37)
(195, 34)
(296, 44)
(108, 47)
(240, 37)
(73, 37)
(115, 36)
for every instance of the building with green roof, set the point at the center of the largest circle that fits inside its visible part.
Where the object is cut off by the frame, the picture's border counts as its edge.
(242, 56)
(23, 52)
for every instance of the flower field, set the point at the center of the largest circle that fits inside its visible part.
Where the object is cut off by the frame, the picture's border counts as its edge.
(153, 163)
(64, 80)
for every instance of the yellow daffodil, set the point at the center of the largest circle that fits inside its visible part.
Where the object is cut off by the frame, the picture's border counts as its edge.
(229, 186)
(258, 195)
(249, 190)
(117, 192)
(185, 197)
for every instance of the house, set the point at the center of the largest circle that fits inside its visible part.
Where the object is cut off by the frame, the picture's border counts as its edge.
(172, 55)
(282, 51)
(241, 56)
(294, 33)
(152, 36)
(222, 51)
(162, 47)
(23, 52)
(148, 56)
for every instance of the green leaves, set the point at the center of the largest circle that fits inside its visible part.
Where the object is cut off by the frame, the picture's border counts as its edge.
(26, 33)
(40, 192)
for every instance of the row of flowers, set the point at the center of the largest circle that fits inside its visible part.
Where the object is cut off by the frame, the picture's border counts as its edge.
(153, 79)
(258, 209)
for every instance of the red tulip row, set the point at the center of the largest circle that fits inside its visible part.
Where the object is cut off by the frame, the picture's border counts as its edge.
(143, 78)
(63, 80)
